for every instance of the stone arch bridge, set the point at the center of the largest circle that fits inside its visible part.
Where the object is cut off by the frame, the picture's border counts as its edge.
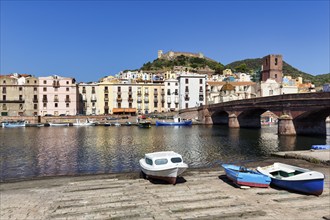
(299, 114)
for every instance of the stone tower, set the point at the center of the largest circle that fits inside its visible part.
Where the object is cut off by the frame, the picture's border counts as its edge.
(160, 54)
(272, 66)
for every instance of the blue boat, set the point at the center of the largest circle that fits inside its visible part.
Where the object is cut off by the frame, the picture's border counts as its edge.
(294, 178)
(176, 122)
(246, 177)
(321, 147)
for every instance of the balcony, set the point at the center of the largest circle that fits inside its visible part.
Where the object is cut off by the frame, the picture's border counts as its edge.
(146, 100)
(35, 100)
(12, 101)
(118, 92)
(106, 90)
(106, 99)
(84, 91)
(176, 101)
(169, 100)
(130, 93)
(55, 99)
(106, 107)
(146, 93)
(93, 98)
(119, 99)
(44, 100)
(186, 98)
(67, 100)
(162, 93)
(139, 93)
(130, 100)
(162, 100)
(139, 100)
(56, 84)
(155, 100)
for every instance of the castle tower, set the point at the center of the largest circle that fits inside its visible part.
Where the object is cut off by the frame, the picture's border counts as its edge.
(160, 54)
(272, 66)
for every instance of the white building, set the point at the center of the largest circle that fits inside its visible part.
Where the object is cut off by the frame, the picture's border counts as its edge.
(171, 95)
(191, 90)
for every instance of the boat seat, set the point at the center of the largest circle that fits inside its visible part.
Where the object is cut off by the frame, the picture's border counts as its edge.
(284, 169)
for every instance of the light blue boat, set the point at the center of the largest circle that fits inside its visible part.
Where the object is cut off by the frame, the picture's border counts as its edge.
(294, 178)
(246, 177)
(14, 124)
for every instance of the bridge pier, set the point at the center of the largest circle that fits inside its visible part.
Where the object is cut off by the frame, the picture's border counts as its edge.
(285, 125)
(233, 121)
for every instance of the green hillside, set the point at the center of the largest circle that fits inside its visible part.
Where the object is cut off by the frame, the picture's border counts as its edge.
(254, 65)
(247, 65)
(192, 62)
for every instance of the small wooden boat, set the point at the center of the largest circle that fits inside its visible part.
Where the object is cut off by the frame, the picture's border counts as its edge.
(145, 124)
(294, 178)
(164, 165)
(242, 176)
(176, 122)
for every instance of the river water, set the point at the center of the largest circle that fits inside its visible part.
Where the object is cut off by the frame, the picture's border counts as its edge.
(56, 151)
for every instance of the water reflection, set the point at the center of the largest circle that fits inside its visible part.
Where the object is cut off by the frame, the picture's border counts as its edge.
(53, 151)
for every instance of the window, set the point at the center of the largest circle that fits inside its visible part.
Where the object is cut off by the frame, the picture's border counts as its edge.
(161, 161)
(20, 88)
(168, 83)
(35, 89)
(148, 161)
(155, 104)
(187, 81)
(20, 97)
(35, 106)
(56, 104)
(168, 92)
(93, 90)
(67, 82)
(28, 81)
(275, 76)
(67, 104)
(67, 89)
(45, 104)
(45, 89)
(200, 81)
(45, 82)
(176, 160)
(187, 105)
(20, 106)
(275, 61)
(4, 97)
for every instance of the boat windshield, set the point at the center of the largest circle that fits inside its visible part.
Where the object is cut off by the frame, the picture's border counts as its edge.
(148, 161)
(161, 161)
(176, 160)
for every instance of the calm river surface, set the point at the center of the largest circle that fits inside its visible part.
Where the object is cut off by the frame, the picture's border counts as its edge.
(55, 151)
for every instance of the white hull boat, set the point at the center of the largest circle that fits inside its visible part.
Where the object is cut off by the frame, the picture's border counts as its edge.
(164, 165)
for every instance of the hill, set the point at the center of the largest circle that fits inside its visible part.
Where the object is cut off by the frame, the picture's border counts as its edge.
(194, 63)
(254, 65)
(197, 64)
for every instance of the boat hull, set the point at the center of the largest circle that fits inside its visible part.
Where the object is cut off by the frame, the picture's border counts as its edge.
(247, 177)
(183, 123)
(312, 187)
(167, 174)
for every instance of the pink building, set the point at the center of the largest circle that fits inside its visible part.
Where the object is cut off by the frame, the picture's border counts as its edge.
(57, 96)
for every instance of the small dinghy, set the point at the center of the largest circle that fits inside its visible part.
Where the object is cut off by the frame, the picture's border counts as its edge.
(294, 178)
(242, 176)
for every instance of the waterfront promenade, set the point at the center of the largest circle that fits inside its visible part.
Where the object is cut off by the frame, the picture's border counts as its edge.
(200, 194)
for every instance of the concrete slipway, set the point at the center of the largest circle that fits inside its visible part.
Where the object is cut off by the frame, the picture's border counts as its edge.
(200, 194)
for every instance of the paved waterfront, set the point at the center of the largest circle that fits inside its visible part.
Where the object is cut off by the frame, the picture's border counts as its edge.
(202, 194)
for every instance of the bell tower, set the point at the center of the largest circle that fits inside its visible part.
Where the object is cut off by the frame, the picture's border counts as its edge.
(272, 68)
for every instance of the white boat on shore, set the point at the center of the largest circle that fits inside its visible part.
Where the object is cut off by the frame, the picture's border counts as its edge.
(16, 124)
(164, 165)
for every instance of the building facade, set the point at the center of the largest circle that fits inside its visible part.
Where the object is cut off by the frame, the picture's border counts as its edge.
(57, 96)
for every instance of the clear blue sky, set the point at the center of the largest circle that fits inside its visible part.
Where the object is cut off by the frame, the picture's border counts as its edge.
(91, 39)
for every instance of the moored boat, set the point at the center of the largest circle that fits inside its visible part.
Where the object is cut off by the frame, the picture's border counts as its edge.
(177, 121)
(15, 124)
(164, 165)
(294, 178)
(243, 176)
(145, 124)
(320, 147)
(85, 123)
(59, 124)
